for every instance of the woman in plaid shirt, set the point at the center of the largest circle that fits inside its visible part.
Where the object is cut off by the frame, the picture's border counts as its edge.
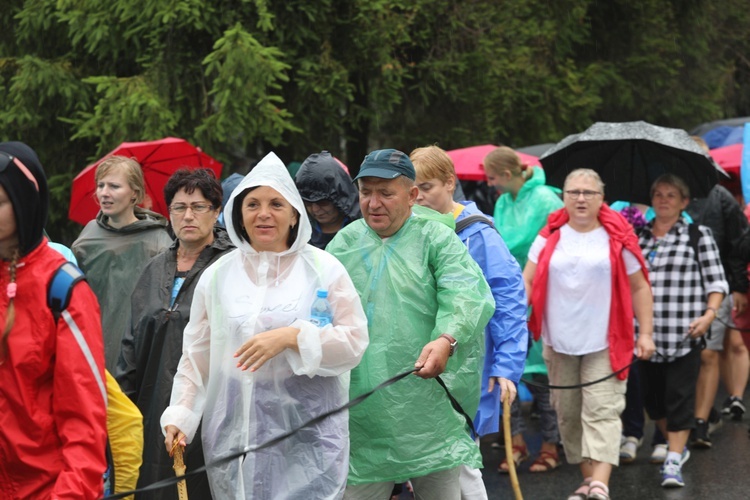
(688, 289)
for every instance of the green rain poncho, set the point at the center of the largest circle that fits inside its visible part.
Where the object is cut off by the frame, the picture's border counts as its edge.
(415, 285)
(520, 220)
(113, 259)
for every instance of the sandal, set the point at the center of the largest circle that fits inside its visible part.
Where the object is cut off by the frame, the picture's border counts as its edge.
(522, 454)
(582, 492)
(546, 462)
(598, 491)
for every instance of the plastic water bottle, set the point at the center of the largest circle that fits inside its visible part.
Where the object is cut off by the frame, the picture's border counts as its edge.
(321, 313)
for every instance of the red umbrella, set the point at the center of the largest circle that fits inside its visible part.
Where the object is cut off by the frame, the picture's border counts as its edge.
(159, 160)
(469, 162)
(728, 157)
(346, 169)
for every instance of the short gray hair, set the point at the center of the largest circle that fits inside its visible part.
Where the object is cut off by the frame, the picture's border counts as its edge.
(674, 181)
(584, 172)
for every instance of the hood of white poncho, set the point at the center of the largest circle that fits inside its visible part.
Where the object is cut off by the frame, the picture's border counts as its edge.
(269, 172)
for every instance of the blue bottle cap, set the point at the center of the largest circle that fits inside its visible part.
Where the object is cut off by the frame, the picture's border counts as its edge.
(322, 293)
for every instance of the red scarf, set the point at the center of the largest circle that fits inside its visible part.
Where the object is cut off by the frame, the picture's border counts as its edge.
(621, 235)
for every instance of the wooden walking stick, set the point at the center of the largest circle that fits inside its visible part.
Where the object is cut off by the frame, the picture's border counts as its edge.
(509, 450)
(179, 470)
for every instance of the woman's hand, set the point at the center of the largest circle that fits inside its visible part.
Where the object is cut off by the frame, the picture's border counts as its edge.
(698, 327)
(174, 438)
(264, 346)
(507, 388)
(739, 302)
(645, 347)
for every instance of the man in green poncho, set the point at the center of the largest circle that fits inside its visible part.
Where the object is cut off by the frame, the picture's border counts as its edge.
(425, 300)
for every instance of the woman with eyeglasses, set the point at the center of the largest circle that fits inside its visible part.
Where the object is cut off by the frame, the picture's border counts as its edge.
(114, 248)
(161, 301)
(52, 396)
(585, 278)
(689, 285)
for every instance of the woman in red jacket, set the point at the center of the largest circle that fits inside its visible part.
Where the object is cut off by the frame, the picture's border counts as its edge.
(52, 396)
(585, 279)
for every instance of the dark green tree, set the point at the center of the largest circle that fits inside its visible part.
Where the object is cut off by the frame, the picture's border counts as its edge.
(242, 77)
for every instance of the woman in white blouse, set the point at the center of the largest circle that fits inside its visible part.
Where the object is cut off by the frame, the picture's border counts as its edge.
(585, 278)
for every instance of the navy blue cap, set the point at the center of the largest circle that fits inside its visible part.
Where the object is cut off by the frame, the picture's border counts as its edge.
(386, 164)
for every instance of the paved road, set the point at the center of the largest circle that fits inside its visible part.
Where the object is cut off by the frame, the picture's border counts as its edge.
(721, 473)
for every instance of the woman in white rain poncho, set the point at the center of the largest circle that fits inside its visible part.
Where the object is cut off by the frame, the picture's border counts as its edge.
(253, 306)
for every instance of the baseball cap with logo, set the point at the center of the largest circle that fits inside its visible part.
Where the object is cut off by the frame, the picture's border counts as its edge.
(386, 164)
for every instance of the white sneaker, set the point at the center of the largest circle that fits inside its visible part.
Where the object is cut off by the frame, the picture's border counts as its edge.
(659, 454)
(629, 449)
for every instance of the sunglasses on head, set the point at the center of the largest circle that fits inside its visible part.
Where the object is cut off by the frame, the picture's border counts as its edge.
(6, 159)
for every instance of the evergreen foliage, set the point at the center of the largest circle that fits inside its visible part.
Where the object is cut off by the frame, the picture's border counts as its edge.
(241, 77)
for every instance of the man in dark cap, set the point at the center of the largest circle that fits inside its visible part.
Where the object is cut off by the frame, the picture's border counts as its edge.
(425, 300)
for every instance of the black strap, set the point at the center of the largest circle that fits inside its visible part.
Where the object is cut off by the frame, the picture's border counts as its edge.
(457, 406)
(468, 221)
(694, 235)
(234, 455)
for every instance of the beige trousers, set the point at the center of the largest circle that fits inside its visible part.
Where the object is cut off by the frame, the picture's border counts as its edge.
(588, 418)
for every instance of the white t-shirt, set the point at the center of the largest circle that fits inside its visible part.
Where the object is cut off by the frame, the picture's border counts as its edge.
(579, 290)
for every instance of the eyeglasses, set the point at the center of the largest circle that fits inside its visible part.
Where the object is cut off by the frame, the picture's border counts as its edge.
(6, 159)
(197, 208)
(587, 195)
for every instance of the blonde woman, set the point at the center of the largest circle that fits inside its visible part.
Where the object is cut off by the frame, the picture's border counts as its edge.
(525, 199)
(114, 248)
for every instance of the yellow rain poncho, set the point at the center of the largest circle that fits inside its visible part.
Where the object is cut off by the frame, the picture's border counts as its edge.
(415, 285)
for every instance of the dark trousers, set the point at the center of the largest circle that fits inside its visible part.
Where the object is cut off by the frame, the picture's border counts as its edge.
(669, 390)
(633, 418)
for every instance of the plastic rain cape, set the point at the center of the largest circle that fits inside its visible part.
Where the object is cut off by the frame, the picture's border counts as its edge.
(415, 285)
(245, 293)
(520, 220)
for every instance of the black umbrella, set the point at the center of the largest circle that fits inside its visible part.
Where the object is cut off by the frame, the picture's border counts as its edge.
(537, 149)
(629, 157)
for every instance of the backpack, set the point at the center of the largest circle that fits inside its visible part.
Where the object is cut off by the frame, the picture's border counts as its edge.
(58, 298)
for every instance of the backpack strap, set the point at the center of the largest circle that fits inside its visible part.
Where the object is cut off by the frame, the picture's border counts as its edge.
(694, 235)
(468, 221)
(58, 299)
(61, 287)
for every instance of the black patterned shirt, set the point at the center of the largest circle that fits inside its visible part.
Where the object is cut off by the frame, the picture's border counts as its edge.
(679, 286)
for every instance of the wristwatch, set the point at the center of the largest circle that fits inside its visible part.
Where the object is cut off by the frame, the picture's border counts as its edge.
(453, 342)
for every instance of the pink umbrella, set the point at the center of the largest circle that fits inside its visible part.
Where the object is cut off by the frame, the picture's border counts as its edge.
(346, 169)
(728, 157)
(469, 162)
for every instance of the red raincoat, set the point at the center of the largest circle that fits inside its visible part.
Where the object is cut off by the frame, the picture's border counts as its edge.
(52, 411)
